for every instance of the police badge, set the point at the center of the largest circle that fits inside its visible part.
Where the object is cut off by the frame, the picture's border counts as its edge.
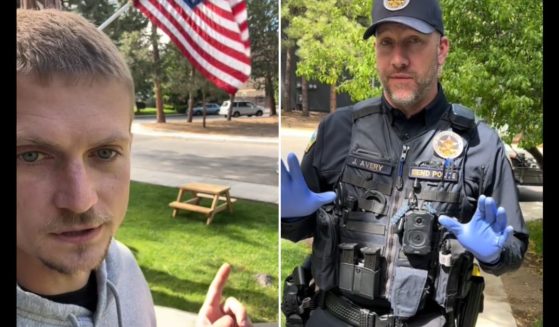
(394, 5)
(448, 145)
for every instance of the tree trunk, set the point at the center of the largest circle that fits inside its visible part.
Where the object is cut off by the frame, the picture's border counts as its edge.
(204, 108)
(29, 4)
(231, 100)
(305, 94)
(287, 80)
(45, 4)
(537, 155)
(190, 105)
(270, 93)
(190, 94)
(52, 4)
(333, 98)
(157, 77)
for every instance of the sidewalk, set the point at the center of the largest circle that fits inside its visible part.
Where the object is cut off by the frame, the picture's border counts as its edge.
(497, 310)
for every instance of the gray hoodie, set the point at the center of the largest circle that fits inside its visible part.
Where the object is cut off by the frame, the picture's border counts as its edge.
(124, 298)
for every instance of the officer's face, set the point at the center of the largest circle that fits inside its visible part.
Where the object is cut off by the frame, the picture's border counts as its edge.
(408, 63)
(73, 172)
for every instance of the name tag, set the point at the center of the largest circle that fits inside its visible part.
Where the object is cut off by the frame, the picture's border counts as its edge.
(376, 167)
(434, 174)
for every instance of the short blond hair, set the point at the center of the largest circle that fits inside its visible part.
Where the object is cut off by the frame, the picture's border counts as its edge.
(58, 43)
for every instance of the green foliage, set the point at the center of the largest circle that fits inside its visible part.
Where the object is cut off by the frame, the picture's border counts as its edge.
(495, 63)
(178, 80)
(180, 256)
(127, 32)
(135, 48)
(328, 35)
(263, 30)
(98, 11)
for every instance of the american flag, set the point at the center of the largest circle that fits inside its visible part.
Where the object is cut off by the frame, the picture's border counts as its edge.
(212, 34)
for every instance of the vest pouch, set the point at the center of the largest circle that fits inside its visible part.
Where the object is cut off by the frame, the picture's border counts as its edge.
(407, 290)
(347, 266)
(359, 278)
(367, 278)
(324, 250)
(451, 283)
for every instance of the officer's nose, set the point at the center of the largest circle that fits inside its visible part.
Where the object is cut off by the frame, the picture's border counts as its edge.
(399, 58)
(76, 190)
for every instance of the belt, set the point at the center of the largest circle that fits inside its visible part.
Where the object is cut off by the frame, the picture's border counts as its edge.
(349, 312)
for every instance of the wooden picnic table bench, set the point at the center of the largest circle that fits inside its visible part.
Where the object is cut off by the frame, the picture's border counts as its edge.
(202, 190)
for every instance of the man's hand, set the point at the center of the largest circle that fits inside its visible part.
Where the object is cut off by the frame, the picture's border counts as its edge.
(485, 234)
(229, 314)
(296, 198)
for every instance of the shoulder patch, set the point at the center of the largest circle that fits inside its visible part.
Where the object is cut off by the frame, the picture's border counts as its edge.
(311, 141)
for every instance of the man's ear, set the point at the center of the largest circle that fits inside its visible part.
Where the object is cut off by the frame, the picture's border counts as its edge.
(444, 46)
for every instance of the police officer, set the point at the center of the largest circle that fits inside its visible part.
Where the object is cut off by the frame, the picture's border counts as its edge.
(401, 192)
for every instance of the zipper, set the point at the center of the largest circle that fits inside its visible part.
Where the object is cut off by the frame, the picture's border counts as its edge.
(403, 155)
(392, 236)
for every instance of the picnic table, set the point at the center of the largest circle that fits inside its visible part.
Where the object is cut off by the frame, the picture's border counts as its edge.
(202, 190)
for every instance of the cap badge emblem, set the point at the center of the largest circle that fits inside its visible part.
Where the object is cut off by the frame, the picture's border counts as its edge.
(448, 145)
(395, 4)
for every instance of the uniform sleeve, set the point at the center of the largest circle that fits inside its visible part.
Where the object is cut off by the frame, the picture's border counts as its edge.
(321, 166)
(296, 229)
(499, 183)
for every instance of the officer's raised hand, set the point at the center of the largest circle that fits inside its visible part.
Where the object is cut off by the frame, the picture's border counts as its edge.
(296, 198)
(485, 234)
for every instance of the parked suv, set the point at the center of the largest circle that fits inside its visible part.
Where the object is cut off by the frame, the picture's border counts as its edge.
(245, 108)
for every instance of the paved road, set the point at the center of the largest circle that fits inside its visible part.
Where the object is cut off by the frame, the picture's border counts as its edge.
(248, 165)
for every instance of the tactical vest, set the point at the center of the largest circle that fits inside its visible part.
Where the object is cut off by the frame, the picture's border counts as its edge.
(380, 244)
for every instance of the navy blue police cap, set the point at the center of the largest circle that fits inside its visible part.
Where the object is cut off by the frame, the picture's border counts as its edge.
(422, 15)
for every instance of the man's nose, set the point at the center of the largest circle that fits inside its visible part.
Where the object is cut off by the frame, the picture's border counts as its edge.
(399, 57)
(76, 189)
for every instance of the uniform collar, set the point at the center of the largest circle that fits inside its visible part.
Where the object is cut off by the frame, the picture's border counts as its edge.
(428, 116)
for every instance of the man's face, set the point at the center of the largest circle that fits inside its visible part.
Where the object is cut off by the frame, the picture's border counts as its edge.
(73, 171)
(408, 63)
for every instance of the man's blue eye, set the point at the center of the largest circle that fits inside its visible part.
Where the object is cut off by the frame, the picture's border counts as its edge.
(106, 154)
(30, 156)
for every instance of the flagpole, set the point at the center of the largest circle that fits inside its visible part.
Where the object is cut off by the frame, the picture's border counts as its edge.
(114, 16)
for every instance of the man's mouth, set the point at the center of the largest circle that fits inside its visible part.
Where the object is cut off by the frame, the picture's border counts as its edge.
(78, 235)
(401, 76)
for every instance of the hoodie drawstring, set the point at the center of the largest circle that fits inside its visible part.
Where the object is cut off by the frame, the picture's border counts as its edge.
(73, 320)
(111, 287)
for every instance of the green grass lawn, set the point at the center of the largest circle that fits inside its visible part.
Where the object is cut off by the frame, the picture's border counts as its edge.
(535, 228)
(180, 257)
(153, 111)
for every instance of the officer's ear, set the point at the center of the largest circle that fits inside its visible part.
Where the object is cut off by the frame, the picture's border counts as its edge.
(443, 47)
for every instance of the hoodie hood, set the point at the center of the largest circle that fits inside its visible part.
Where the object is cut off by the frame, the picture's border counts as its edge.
(123, 298)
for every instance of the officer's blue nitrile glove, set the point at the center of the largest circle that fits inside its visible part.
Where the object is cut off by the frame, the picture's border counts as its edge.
(485, 234)
(296, 198)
